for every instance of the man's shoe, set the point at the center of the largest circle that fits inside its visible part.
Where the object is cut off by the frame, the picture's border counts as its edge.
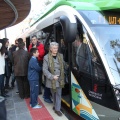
(7, 87)
(17, 92)
(6, 91)
(37, 103)
(5, 95)
(48, 100)
(58, 113)
(40, 93)
(37, 106)
(12, 85)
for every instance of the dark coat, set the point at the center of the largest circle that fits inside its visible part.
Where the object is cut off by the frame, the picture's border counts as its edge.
(20, 60)
(7, 64)
(7, 68)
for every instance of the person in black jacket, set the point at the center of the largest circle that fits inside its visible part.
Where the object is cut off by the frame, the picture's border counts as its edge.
(7, 63)
(20, 61)
(13, 48)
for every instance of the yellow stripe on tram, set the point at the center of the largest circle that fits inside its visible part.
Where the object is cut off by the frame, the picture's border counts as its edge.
(65, 102)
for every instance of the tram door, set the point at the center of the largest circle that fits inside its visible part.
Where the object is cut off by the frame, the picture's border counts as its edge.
(54, 33)
(88, 70)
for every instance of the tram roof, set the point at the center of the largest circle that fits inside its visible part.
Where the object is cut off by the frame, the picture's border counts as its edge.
(13, 12)
(81, 5)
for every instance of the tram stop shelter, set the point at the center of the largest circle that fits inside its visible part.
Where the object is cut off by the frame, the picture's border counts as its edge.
(13, 12)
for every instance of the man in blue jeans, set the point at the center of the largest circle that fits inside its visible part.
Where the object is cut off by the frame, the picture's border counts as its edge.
(47, 95)
(33, 77)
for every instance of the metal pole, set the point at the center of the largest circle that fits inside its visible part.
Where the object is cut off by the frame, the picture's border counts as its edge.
(5, 33)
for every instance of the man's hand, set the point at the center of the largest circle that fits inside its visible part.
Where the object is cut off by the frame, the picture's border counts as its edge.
(56, 77)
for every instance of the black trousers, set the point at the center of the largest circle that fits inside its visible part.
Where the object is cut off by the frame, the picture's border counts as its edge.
(3, 115)
(7, 81)
(23, 86)
(40, 78)
(47, 93)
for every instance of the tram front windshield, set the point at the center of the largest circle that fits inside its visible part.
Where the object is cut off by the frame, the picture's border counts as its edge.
(109, 40)
(105, 25)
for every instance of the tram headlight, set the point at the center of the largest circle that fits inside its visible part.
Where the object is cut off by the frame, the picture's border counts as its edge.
(118, 98)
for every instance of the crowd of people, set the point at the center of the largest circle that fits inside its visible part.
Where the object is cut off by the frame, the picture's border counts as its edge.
(26, 67)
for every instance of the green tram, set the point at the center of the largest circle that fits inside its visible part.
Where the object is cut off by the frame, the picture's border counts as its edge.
(93, 91)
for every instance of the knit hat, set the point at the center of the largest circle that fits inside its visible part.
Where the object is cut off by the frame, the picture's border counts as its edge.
(0, 45)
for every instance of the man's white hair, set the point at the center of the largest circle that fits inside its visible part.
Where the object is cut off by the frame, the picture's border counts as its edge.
(53, 44)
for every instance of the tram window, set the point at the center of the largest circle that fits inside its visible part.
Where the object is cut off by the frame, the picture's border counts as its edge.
(96, 66)
(85, 58)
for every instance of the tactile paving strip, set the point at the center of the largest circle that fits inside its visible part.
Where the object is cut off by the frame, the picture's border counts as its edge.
(39, 114)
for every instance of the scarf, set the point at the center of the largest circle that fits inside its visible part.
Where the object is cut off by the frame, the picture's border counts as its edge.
(52, 67)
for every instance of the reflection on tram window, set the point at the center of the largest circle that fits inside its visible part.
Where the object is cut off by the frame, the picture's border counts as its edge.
(80, 55)
(115, 44)
(97, 69)
(85, 58)
(109, 42)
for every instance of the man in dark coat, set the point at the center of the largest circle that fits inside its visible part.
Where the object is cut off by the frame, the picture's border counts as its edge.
(13, 48)
(81, 53)
(21, 59)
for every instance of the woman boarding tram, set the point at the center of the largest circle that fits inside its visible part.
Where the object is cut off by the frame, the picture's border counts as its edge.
(53, 70)
(93, 93)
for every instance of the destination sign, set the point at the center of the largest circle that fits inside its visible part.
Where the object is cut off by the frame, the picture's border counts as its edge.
(110, 19)
(102, 17)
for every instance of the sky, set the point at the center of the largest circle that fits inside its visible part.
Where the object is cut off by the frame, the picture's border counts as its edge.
(13, 32)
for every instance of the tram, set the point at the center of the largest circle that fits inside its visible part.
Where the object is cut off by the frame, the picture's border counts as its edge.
(93, 90)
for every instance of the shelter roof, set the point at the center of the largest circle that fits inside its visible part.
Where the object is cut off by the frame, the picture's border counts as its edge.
(13, 12)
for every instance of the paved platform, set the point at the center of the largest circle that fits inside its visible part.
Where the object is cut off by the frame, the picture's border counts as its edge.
(19, 109)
